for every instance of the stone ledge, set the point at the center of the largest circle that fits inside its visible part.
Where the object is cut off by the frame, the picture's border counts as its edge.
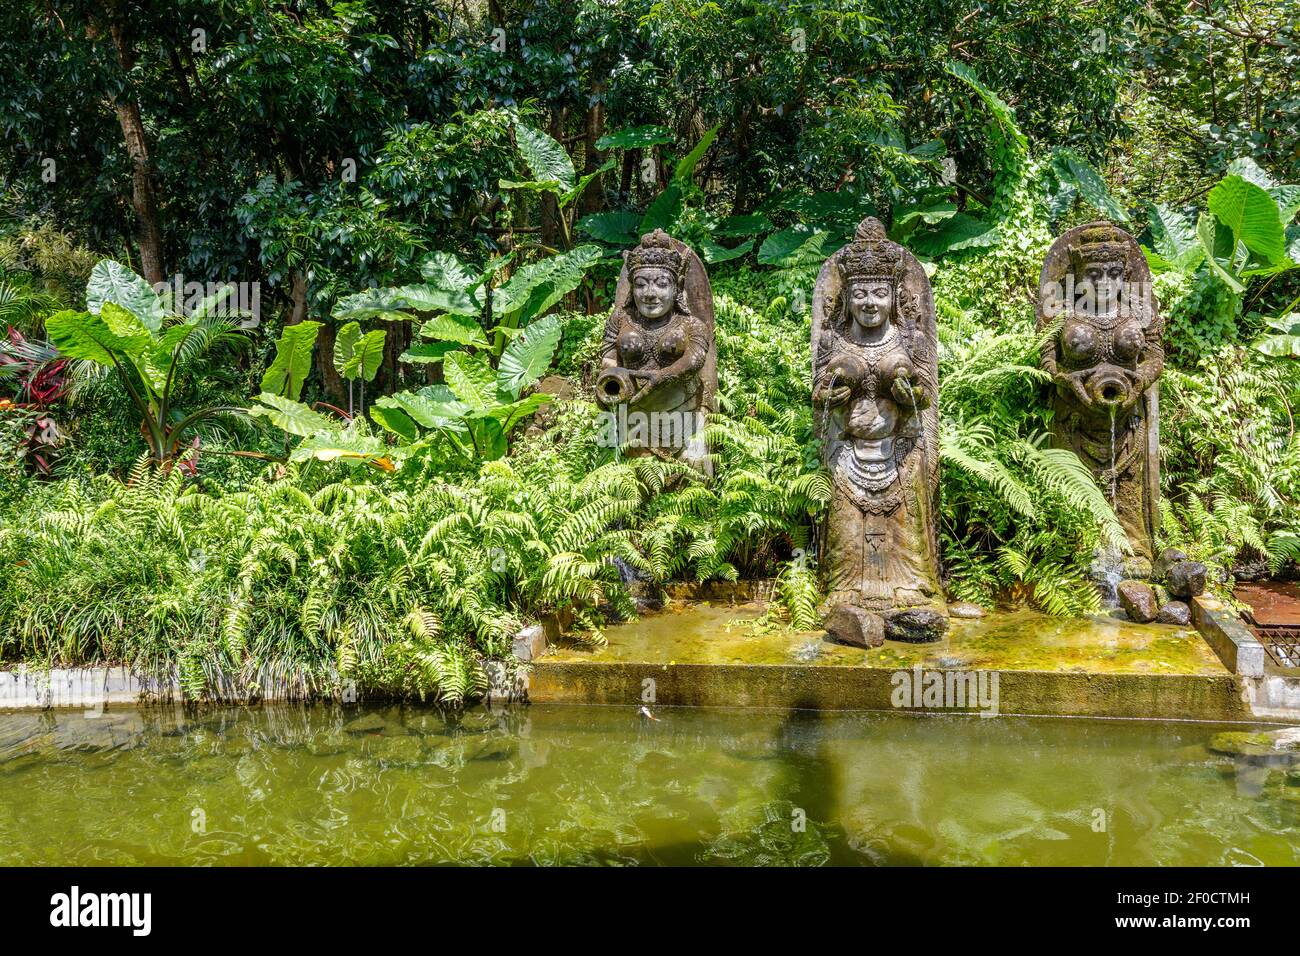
(1029, 693)
(1225, 632)
(85, 687)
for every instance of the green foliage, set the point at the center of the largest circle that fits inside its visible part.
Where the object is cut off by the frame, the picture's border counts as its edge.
(128, 330)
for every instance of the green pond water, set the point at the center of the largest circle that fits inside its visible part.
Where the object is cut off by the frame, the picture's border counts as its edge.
(598, 785)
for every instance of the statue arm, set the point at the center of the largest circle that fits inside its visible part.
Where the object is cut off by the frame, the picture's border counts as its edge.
(1152, 364)
(609, 345)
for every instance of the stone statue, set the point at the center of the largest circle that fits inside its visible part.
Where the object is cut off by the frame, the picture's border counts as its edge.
(1105, 360)
(875, 389)
(659, 366)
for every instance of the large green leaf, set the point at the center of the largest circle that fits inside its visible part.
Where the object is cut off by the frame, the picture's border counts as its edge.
(686, 165)
(713, 252)
(425, 353)
(537, 286)
(383, 304)
(741, 226)
(367, 357)
(799, 243)
(1208, 233)
(292, 364)
(1287, 342)
(1003, 115)
(1252, 215)
(528, 356)
(442, 270)
(461, 329)
(511, 413)
(82, 335)
(345, 345)
(291, 416)
(346, 446)
(434, 406)
(426, 298)
(1173, 238)
(393, 419)
(471, 379)
(113, 282)
(1073, 169)
(616, 228)
(545, 158)
(635, 137)
(663, 210)
(953, 234)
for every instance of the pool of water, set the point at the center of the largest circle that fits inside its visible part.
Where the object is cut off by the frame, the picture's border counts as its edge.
(600, 785)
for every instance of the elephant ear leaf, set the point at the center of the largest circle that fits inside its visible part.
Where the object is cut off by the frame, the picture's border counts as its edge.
(528, 356)
(111, 281)
(367, 356)
(345, 346)
(545, 158)
(290, 416)
(288, 372)
(358, 356)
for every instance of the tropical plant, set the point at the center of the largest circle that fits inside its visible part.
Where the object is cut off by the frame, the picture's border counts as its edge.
(127, 328)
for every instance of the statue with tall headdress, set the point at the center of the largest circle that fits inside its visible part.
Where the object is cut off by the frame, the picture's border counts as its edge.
(875, 391)
(659, 367)
(1105, 358)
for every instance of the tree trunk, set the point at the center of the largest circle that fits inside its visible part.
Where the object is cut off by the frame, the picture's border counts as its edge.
(593, 200)
(144, 197)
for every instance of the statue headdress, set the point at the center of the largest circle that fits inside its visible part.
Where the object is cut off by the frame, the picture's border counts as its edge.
(871, 255)
(656, 251)
(1099, 243)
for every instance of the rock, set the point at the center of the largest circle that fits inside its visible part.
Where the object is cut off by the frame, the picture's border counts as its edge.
(1280, 745)
(850, 624)
(329, 743)
(915, 625)
(965, 609)
(1175, 612)
(1138, 600)
(1168, 558)
(530, 642)
(400, 751)
(366, 724)
(1137, 568)
(491, 748)
(1186, 579)
(1163, 596)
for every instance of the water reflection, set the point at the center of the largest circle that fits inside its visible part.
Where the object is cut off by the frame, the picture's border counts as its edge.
(601, 785)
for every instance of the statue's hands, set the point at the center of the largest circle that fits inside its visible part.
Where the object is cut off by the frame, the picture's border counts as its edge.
(649, 379)
(838, 395)
(1071, 384)
(906, 392)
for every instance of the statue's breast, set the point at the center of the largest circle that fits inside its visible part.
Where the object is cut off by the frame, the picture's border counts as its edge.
(1084, 345)
(632, 347)
(1128, 343)
(1081, 343)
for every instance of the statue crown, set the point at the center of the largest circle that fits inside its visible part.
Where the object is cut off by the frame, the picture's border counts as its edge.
(871, 255)
(656, 251)
(1099, 243)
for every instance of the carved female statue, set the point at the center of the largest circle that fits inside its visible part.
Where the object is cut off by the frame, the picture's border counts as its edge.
(875, 387)
(658, 361)
(1105, 360)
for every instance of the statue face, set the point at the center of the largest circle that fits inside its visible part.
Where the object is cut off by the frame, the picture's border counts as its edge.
(1102, 283)
(871, 303)
(654, 291)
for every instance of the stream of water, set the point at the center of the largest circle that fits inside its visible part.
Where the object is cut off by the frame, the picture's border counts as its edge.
(566, 784)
